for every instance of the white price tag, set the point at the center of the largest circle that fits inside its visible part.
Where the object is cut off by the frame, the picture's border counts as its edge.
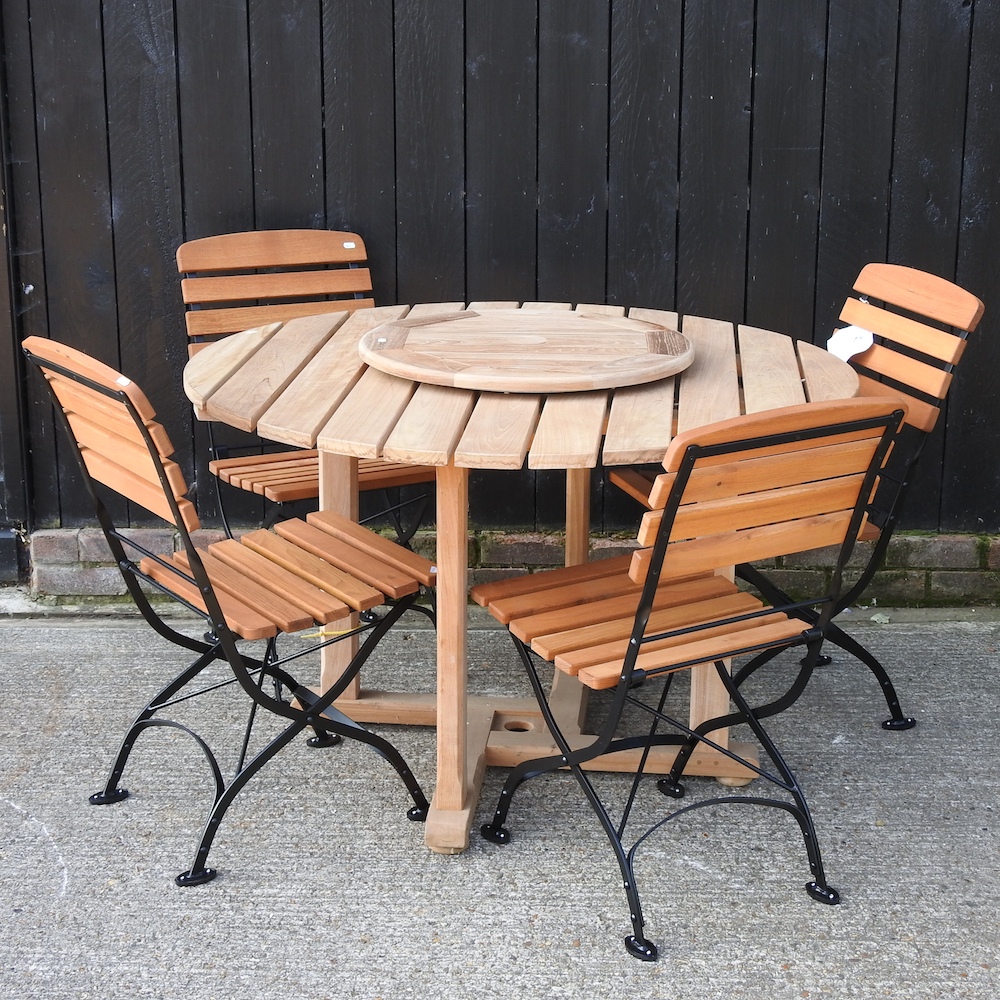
(850, 340)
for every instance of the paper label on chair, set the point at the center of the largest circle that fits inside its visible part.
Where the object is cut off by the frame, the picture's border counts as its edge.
(349, 245)
(122, 380)
(850, 340)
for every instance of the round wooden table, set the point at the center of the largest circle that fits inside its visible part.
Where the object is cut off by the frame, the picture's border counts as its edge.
(304, 383)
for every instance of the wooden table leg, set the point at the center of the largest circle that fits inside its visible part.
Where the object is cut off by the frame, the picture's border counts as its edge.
(338, 491)
(459, 764)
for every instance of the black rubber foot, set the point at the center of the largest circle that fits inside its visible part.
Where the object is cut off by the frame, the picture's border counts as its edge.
(671, 787)
(417, 814)
(823, 894)
(199, 877)
(641, 949)
(823, 660)
(321, 740)
(896, 725)
(105, 798)
(496, 834)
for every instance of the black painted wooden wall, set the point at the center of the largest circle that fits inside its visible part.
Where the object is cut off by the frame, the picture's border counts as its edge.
(732, 158)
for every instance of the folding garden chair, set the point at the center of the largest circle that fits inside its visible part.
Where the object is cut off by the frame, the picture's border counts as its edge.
(918, 324)
(750, 488)
(235, 281)
(303, 575)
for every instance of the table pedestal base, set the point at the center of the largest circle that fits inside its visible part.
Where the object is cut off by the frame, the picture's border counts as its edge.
(503, 732)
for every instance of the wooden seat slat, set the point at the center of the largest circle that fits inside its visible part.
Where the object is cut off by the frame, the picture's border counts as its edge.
(486, 593)
(322, 606)
(365, 540)
(359, 596)
(362, 566)
(241, 619)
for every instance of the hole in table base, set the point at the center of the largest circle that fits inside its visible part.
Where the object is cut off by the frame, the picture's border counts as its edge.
(518, 726)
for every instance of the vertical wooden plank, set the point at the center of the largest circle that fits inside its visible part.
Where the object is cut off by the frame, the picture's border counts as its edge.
(970, 499)
(360, 142)
(214, 95)
(430, 150)
(927, 177)
(76, 198)
(217, 170)
(642, 152)
(146, 189)
(286, 91)
(784, 179)
(714, 158)
(572, 151)
(502, 133)
(24, 212)
(857, 150)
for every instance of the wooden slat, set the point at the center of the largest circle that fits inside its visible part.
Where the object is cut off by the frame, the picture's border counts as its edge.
(219, 322)
(206, 372)
(902, 330)
(434, 421)
(601, 642)
(552, 598)
(781, 468)
(770, 370)
(271, 248)
(608, 609)
(365, 540)
(375, 474)
(322, 606)
(703, 555)
(384, 577)
(251, 390)
(640, 423)
(499, 432)
(569, 431)
(271, 285)
(497, 590)
(920, 292)
(719, 647)
(710, 388)
(367, 415)
(765, 507)
(241, 619)
(909, 371)
(138, 490)
(634, 482)
(314, 394)
(253, 591)
(826, 377)
(919, 413)
(359, 596)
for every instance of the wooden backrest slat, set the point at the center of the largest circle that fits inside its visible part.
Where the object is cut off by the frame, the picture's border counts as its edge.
(919, 413)
(921, 293)
(750, 545)
(903, 330)
(219, 322)
(763, 507)
(271, 248)
(774, 469)
(275, 285)
(920, 376)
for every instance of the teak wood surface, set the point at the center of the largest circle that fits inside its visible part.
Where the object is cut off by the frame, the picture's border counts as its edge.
(305, 383)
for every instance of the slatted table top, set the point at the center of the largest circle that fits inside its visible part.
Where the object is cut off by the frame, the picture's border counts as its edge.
(305, 383)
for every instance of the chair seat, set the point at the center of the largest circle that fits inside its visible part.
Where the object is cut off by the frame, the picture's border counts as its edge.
(286, 476)
(581, 619)
(295, 577)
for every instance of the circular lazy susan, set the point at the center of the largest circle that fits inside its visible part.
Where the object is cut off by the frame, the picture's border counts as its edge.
(521, 350)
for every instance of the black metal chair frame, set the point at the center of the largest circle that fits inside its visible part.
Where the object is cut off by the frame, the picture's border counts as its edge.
(315, 712)
(781, 776)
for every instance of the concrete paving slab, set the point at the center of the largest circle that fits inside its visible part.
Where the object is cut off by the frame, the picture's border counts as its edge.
(327, 891)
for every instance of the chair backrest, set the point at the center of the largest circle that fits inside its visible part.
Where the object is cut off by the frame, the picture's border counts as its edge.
(920, 322)
(236, 281)
(118, 439)
(764, 485)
